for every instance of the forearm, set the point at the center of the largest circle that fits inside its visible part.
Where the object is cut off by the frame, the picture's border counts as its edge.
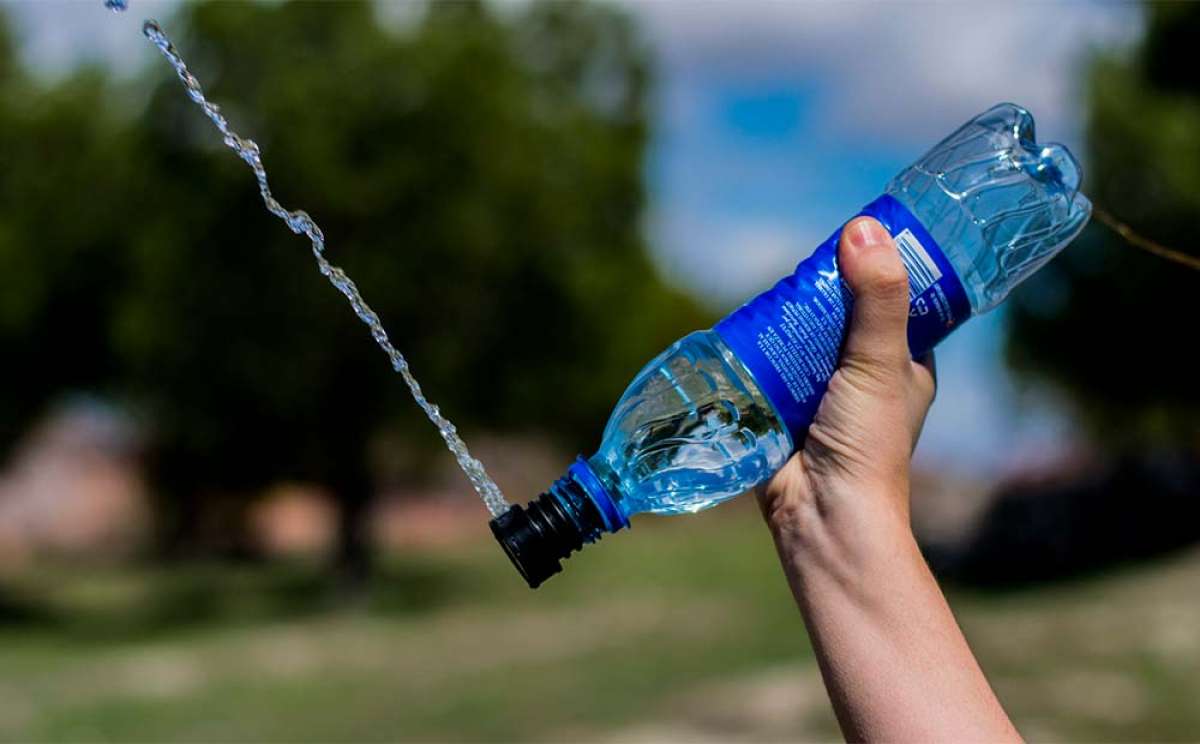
(894, 660)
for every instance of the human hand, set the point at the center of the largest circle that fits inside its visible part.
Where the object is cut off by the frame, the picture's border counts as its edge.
(849, 483)
(894, 661)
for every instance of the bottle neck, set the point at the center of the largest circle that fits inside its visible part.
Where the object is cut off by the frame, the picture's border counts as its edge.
(581, 497)
(594, 488)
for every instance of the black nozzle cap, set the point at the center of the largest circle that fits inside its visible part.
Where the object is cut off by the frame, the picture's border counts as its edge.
(520, 538)
(539, 535)
(560, 521)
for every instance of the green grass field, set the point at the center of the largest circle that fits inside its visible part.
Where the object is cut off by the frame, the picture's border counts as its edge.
(680, 629)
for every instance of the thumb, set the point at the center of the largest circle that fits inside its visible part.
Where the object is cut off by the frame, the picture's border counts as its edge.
(870, 265)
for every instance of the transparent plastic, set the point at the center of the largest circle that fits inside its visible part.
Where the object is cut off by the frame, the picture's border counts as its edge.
(998, 204)
(694, 429)
(691, 431)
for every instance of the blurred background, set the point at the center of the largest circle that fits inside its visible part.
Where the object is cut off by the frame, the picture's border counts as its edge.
(222, 518)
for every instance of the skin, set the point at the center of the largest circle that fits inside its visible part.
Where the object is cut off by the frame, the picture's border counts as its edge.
(894, 661)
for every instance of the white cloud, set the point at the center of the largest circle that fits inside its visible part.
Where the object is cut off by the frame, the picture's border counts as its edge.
(896, 70)
(892, 70)
(981, 420)
(891, 76)
(728, 259)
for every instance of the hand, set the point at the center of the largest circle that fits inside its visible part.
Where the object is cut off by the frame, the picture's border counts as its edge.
(894, 661)
(850, 479)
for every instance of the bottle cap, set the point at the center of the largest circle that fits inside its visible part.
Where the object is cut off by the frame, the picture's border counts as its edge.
(576, 510)
(527, 542)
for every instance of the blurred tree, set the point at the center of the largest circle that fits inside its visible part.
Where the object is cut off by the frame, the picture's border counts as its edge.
(66, 166)
(1107, 323)
(480, 178)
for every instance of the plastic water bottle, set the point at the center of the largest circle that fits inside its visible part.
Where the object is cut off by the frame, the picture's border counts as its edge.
(721, 410)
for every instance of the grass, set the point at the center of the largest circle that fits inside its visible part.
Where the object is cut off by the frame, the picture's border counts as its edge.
(678, 629)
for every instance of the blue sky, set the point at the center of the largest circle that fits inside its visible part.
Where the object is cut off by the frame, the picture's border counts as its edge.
(776, 121)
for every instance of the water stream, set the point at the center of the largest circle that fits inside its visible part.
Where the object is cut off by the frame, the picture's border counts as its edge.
(302, 224)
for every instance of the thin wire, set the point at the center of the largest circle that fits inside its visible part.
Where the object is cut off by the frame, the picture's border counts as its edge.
(1133, 238)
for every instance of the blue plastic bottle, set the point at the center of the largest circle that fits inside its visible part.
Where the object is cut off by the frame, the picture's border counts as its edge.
(721, 410)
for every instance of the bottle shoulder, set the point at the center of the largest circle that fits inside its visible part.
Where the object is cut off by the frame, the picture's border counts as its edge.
(691, 430)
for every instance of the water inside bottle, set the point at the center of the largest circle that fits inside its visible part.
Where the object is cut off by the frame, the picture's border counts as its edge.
(692, 430)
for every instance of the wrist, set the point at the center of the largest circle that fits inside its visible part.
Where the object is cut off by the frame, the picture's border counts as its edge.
(843, 542)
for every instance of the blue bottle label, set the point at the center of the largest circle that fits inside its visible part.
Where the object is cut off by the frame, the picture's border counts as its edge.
(790, 337)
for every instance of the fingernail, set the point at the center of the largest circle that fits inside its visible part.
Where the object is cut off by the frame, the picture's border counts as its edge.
(864, 232)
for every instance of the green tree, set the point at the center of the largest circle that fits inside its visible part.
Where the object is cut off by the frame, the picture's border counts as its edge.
(479, 177)
(66, 168)
(1112, 326)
